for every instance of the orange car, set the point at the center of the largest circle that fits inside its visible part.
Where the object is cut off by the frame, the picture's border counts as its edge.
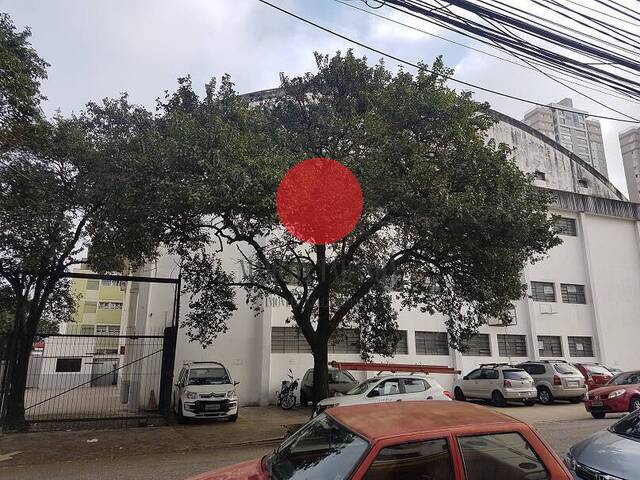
(430, 440)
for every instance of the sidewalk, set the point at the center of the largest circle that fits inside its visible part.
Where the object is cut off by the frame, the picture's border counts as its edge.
(255, 425)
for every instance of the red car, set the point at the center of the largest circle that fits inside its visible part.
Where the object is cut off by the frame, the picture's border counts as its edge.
(595, 375)
(621, 394)
(432, 439)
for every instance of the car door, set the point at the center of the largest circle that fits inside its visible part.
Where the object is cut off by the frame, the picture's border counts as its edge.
(469, 384)
(513, 455)
(488, 382)
(411, 459)
(179, 386)
(415, 388)
(388, 390)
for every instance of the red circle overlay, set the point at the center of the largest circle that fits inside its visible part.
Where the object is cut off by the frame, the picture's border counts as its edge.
(319, 201)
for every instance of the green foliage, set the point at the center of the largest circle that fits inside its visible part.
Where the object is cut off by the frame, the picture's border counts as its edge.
(443, 207)
(22, 70)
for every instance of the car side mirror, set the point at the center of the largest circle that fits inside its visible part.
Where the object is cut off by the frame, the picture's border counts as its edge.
(374, 393)
(235, 384)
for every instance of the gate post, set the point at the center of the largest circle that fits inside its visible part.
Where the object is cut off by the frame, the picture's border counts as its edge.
(168, 365)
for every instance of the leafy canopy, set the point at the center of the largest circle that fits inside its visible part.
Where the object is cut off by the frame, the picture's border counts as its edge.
(446, 211)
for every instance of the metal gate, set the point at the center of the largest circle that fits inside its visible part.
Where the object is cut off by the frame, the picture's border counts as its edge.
(99, 380)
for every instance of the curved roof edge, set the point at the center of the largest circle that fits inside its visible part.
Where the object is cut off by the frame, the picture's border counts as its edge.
(551, 142)
(274, 92)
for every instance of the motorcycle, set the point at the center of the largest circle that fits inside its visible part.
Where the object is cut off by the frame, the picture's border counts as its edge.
(286, 395)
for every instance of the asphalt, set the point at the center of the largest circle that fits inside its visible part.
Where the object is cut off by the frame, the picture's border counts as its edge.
(177, 452)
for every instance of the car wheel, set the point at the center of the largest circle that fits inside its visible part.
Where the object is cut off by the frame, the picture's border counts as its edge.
(545, 396)
(634, 404)
(598, 415)
(458, 395)
(181, 418)
(529, 403)
(497, 398)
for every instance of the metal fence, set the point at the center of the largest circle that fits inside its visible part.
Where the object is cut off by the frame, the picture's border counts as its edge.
(81, 380)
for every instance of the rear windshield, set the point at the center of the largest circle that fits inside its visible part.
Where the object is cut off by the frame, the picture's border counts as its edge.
(629, 426)
(597, 370)
(565, 369)
(516, 375)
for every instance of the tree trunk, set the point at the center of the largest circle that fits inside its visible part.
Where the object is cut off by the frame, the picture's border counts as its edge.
(320, 371)
(17, 371)
(320, 347)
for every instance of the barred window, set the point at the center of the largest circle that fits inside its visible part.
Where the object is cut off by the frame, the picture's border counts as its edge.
(580, 346)
(110, 305)
(288, 340)
(512, 345)
(111, 283)
(572, 293)
(543, 291)
(567, 226)
(87, 329)
(345, 340)
(549, 346)
(431, 343)
(93, 284)
(402, 347)
(107, 329)
(479, 346)
(90, 307)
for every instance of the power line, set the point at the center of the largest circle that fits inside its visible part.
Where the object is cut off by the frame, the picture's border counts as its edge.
(423, 68)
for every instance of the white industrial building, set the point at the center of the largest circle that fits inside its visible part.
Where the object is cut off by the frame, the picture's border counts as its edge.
(583, 302)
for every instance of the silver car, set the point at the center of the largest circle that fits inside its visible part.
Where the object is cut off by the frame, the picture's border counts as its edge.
(612, 454)
(556, 380)
(498, 382)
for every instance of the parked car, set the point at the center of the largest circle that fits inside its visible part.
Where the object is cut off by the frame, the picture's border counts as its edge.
(389, 388)
(612, 454)
(340, 381)
(205, 390)
(497, 382)
(555, 380)
(614, 370)
(621, 394)
(420, 440)
(594, 374)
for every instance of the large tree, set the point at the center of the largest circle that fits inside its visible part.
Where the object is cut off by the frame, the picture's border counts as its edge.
(86, 184)
(445, 210)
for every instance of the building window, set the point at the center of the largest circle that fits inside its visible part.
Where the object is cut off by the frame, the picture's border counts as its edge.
(110, 305)
(580, 347)
(93, 284)
(90, 307)
(112, 283)
(344, 340)
(288, 340)
(512, 345)
(572, 293)
(431, 343)
(68, 365)
(538, 175)
(478, 346)
(107, 329)
(566, 226)
(582, 182)
(549, 346)
(402, 347)
(87, 329)
(543, 292)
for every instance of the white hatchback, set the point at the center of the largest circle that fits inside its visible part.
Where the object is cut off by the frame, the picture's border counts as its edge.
(205, 390)
(389, 388)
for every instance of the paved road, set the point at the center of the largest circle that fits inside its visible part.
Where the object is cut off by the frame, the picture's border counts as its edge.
(561, 425)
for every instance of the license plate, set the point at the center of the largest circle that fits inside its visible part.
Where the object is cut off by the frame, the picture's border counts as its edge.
(212, 407)
(597, 404)
(573, 384)
(523, 394)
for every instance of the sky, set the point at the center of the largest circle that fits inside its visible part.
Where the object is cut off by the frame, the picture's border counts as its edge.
(100, 49)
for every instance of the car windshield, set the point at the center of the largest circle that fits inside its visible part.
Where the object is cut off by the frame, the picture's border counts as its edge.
(597, 370)
(362, 387)
(629, 426)
(322, 449)
(565, 369)
(516, 375)
(208, 376)
(338, 376)
(627, 378)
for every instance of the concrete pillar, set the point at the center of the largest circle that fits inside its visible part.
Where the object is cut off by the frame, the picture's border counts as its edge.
(534, 352)
(264, 352)
(598, 320)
